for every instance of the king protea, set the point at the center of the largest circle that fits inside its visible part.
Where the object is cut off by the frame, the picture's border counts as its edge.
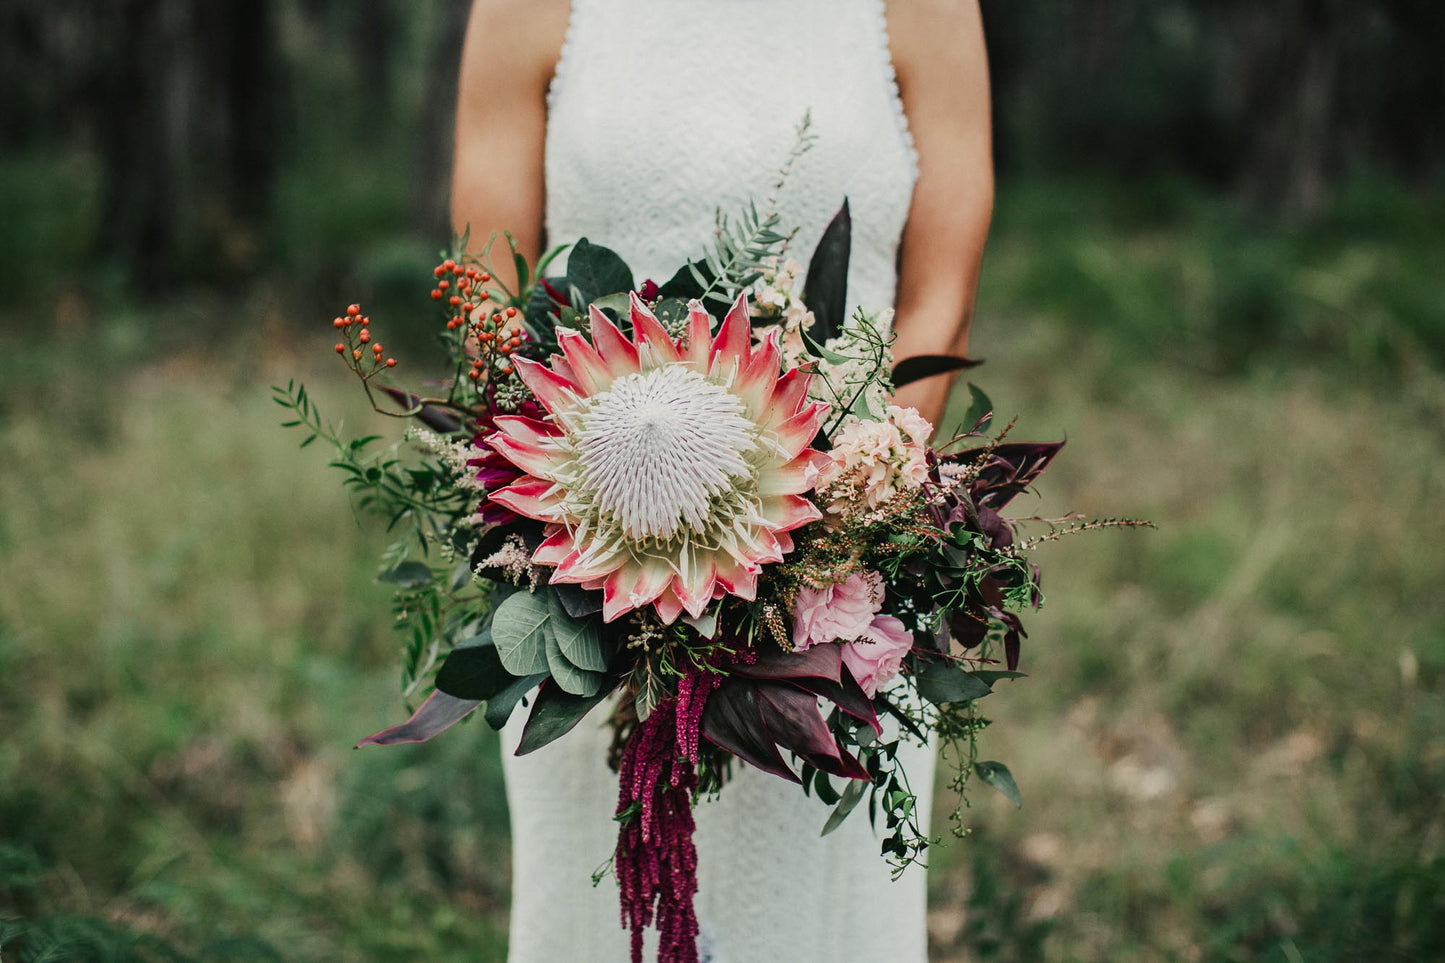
(668, 473)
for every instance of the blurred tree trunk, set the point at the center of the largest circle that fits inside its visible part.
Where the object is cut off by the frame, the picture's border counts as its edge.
(1293, 60)
(140, 225)
(187, 136)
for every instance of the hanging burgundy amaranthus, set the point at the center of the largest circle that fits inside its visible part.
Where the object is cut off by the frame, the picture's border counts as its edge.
(656, 861)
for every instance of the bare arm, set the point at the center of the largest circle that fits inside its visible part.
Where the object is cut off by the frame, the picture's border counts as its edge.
(943, 77)
(497, 180)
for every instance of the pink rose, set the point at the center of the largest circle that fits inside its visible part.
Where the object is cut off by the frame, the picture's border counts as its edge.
(876, 656)
(842, 611)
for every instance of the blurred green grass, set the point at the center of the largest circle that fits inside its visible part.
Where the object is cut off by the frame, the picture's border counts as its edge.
(1231, 746)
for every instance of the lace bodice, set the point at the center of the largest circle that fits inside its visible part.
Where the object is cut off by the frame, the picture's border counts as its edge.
(664, 111)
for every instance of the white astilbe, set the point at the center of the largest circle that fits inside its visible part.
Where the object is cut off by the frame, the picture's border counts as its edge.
(453, 455)
(514, 561)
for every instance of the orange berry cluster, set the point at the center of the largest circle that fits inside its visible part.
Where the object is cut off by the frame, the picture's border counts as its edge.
(470, 291)
(353, 326)
(489, 333)
(498, 335)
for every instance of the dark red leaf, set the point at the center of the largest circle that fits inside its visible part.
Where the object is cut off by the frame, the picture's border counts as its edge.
(847, 695)
(1008, 470)
(922, 366)
(733, 721)
(793, 721)
(437, 714)
(818, 662)
(434, 418)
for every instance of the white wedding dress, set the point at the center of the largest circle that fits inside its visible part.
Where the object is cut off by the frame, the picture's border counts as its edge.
(661, 112)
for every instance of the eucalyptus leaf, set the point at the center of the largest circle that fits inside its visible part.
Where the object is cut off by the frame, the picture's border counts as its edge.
(500, 706)
(618, 303)
(473, 671)
(947, 682)
(990, 676)
(596, 271)
(824, 786)
(519, 631)
(572, 680)
(978, 409)
(576, 600)
(578, 639)
(996, 774)
(548, 258)
(407, 575)
(852, 793)
(437, 714)
(554, 714)
(524, 276)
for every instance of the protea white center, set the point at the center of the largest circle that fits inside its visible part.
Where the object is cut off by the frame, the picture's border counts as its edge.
(658, 447)
(668, 475)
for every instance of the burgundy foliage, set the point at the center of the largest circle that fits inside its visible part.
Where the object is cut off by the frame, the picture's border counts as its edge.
(772, 704)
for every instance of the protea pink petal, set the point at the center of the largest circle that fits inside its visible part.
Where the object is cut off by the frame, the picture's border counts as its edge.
(578, 568)
(619, 353)
(631, 587)
(554, 548)
(646, 329)
(669, 607)
(795, 434)
(736, 577)
(785, 542)
(696, 591)
(788, 393)
(589, 370)
(770, 549)
(730, 347)
(794, 478)
(527, 430)
(552, 389)
(788, 512)
(560, 365)
(531, 497)
(759, 374)
(537, 460)
(699, 334)
(653, 580)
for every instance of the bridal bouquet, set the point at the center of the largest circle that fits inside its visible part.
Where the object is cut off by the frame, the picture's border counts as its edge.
(691, 509)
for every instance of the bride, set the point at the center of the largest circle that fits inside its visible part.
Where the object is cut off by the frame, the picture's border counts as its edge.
(631, 122)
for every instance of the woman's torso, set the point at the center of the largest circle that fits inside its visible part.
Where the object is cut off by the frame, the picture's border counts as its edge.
(663, 112)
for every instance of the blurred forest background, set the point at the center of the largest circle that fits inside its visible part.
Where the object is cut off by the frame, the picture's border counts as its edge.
(1216, 267)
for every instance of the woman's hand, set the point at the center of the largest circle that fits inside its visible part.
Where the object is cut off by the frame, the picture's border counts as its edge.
(942, 66)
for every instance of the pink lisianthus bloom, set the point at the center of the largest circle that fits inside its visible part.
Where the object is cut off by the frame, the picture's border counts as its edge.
(877, 654)
(842, 611)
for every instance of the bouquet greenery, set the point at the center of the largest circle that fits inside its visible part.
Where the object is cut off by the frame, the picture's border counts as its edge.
(691, 506)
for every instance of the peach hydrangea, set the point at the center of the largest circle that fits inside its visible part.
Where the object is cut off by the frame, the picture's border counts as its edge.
(877, 459)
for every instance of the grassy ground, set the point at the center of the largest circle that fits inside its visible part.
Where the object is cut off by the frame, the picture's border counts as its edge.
(1231, 745)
